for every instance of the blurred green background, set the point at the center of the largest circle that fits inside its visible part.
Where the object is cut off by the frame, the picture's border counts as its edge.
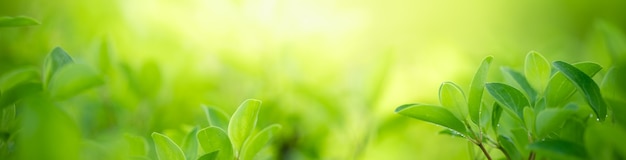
(330, 72)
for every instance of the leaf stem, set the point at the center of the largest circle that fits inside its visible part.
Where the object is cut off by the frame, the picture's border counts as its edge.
(482, 147)
(532, 156)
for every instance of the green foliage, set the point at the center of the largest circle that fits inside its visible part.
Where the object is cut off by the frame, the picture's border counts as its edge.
(535, 123)
(18, 21)
(216, 143)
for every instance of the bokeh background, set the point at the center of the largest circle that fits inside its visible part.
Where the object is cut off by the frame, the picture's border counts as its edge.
(331, 72)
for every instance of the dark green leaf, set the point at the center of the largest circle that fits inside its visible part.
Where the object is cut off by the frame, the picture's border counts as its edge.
(216, 117)
(166, 149)
(243, 122)
(73, 79)
(558, 149)
(451, 96)
(433, 114)
(537, 70)
(190, 144)
(258, 141)
(215, 139)
(209, 156)
(495, 116)
(53, 62)
(585, 84)
(560, 88)
(522, 82)
(512, 99)
(14, 94)
(476, 90)
(509, 147)
(18, 21)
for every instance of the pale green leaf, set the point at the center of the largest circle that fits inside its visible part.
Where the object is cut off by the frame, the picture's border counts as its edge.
(137, 145)
(537, 70)
(258, 141)
(243, 122)
(72, 80)
(216, 117)
(8, 80)
(166, 149)
(17, 92)
(552, 119)
(452, 97)
(476, 89)
(215, 139)
(560, 88)
(529, 119)
(509, 147)
(190, 144)
(586, 85)
(433, 114)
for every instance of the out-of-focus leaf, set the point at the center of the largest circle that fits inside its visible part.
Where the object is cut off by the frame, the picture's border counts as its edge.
(522, 82)
(586, 85)
(8, 80)
(19, 21)
(214, 139)
(537, 70)
(209, 156)
(615, 41)
(53, 133)
(559, 149)
(73, 79)
(476, 90)
(512, 99)
(53, 62)
(243, 122)
(105, 57)
(7, 118)
(614, 90)
(495, 116)
(521, 139)
(149, 79)
(433, 114)
(166, 149)
(137, 145)
(190, 144)
(253, 145)
(552, 119)
(602, 141)
(14, 94)
(216, 117)
(451, 96)
(560, 88)
(509, 147)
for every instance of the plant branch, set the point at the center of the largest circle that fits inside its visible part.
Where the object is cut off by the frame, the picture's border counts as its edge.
(482, 148)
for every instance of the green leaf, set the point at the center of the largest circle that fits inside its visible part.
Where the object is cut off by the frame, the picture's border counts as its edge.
(521, 139)
(209, 156)
(166, 149)
(14, 94)
(8, 80)
(512, 99)
(190, 144)
(105, 58)
(243, 122)
(559, 149)
(476, 89)
(560, 88)
(509, 147)
(603, 141)
(256, 143)
(537, 70)
(551, 120)
(149, 79)
(73, 79)
(522, 82)
(214, 139)
(53, 62)
(585, 84)
(451, 132)
(529, 119)
(495, 116)
(216, 117)
(433, 114)
(19, 21)
(615, 41)
(451, 96)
